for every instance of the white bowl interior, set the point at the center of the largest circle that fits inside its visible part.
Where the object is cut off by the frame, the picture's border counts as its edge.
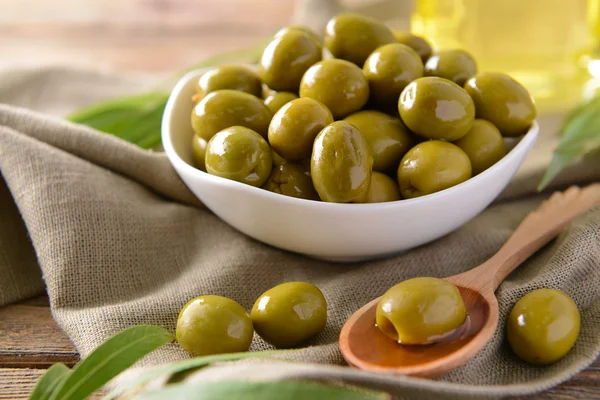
(324, 230)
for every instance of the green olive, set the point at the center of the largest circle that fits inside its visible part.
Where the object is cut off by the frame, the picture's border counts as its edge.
(353, 37)
(302, 28)
(225, 108)
(213, 325)
(341, 163)
(420, 311)
(389, 69)
(295, 126)
(239, 154)
(277, 159)
(503, 101)
(483, 144)
(276, 100)
(417, 43)
(543, 326)
(454, 65)
(387, 136)
(286, 58)
(338, 84)
(436, 108)
(382, 189)
(199, 152)
(290, 180)
(234, 77)
(289, 314)
(432, 166)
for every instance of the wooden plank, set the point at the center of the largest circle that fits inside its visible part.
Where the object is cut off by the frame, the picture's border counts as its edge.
(18, 383)
(31, 338)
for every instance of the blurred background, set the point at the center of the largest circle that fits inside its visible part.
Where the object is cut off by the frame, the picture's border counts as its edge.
(549, 45)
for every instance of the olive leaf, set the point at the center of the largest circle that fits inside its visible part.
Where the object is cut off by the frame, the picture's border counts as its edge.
(109, 359)
(186, 365)
(580, 136)
(137, 118)
(242, 390)
(49, 382)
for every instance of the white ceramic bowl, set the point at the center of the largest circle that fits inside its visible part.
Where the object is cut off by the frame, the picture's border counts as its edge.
(339, 232)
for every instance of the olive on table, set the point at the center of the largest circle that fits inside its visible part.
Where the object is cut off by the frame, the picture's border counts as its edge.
(289, 314)
(213, 325)
(286, 58)
(199, 152)
(353, 37)
(341, 163)
(234, 77)
(417, 43)
(455, 65)
(483, 144)
(432, 166)
(225, 108)
(420, 311)
(340, 85)
(382, 189)
(291, 180)
(543, 326)
(295, 126)
(503, 101)
(389, 69)
(387, 136)
(239, 154)
(276, 100)
(436, 108)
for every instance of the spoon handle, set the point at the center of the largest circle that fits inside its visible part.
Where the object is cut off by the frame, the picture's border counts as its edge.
(538, 228)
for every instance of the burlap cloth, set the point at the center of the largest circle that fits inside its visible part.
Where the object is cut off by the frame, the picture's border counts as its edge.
(119, 240)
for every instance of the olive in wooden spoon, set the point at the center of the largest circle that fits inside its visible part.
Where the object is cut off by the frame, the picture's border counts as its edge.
(364, 346)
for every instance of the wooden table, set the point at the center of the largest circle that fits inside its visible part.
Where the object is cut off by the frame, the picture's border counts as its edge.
(127, 35)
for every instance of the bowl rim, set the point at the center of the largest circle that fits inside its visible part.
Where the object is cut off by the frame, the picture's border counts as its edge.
(166, 136)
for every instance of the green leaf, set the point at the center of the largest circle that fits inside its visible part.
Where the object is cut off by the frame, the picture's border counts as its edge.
(185, 365)
(111, 358)
(243, 390)
(50, 381)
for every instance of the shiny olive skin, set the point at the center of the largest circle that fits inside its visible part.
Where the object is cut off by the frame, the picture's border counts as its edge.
(225, 108)
(389, 69)
(387, 136)
(436, 108)
(305, 29)
(432, 166)
(213, 325)
(420, 311)
(543, 326)
(239, 154)
(338, 84)
(483, 144)
(291, 180)
(417, 43)
(276, 100)
(503, 101)
(454, 65)
(286, 58)
(353, 37)
(289, 314)
(341, 163)
(382, 189)
(199, 152)
(295, 126)
(234, 77)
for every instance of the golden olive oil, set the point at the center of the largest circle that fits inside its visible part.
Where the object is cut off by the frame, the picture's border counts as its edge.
(545, 44)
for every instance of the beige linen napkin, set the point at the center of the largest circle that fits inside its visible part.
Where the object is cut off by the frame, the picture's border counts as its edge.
(119, 240)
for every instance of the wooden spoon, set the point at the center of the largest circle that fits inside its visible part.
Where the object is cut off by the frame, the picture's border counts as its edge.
(364, 346)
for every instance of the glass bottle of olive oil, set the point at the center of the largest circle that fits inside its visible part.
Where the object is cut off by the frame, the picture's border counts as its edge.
(545, 44)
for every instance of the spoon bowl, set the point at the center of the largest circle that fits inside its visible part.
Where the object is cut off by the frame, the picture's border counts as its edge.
(364, 346)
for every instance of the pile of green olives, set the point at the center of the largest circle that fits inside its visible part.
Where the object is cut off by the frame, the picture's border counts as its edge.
(363, 114)
(285, 316)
